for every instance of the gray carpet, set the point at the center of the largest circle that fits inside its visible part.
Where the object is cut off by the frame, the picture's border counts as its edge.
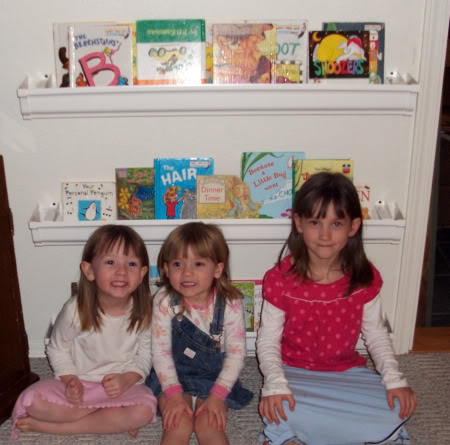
(429, 374)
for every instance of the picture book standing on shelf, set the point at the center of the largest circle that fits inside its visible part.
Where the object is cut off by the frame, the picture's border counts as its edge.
(338, 55)
(170, 52)
(89, 201)
(224, 196)
(269, 177)
(307, 167)
(252, 293)
(135, 193)
(100, 54)
(176, 186)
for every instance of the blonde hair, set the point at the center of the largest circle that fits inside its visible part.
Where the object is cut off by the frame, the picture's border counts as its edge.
(207, 241)
(104, 240)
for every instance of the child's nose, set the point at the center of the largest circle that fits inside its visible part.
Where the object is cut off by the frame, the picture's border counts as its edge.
(324, 232)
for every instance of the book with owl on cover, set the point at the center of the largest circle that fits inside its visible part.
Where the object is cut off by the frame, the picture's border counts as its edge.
(135, 193)
(307, 167)
(176, 186)
(89, 201)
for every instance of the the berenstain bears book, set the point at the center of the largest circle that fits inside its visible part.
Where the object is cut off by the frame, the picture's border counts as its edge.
(269, 176)
(100, 54)
(89, 201)
(224, 196)
(176, 186)
(135, 193)
(307, 167)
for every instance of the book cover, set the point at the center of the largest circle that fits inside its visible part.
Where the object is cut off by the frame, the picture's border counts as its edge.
(224, 196)
(291, 64)
(269, 177)
(176, 186)
(100, 54)
(170, 52)
(307, 167)
(61, 54)
(247, 289)
(365, 198)
(135, 189)
(257, 303)
(339, 55)
(376, 44)
(243, 52)
(89, 201)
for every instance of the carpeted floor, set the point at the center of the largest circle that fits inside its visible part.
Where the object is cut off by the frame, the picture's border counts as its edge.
(428, 373)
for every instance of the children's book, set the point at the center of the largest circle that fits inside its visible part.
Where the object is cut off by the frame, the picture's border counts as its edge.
(365, 198)
(376, 44)
(269, 177)
(89, 201)
(291, 64)
(61, 50)
(243, 52)
(170, 52)
(224, 196)
(100, 54)
(339, 55)
(251, 291)
(307, 167)
(135, 189)
(176, 186)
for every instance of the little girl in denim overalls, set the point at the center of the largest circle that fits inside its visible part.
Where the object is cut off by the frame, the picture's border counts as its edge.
(198, 337)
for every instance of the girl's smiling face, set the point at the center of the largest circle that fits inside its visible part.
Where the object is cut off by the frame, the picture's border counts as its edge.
(192, 276)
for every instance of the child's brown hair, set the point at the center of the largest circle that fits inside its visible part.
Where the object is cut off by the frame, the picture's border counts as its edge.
(104, 240)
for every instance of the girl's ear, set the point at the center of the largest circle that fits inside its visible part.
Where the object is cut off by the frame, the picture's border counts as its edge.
(298, 222)
(356, 223)
(144, 270)
(87, 270)
(219, 270)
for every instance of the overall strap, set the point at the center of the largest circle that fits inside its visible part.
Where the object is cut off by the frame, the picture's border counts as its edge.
(173, 300)
(216, 327)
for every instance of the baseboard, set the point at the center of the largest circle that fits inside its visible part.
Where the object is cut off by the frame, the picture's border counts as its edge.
(36, 349)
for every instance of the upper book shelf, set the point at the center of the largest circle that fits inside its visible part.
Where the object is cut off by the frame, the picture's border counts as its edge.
(39, 102)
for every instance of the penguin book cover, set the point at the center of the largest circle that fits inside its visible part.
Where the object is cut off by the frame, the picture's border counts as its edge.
(89, 201)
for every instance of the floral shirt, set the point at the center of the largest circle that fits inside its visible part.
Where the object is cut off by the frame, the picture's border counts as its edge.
(233, 341)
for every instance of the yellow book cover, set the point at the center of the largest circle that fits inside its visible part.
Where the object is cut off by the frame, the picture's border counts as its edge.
(304, 168)
(224, 196)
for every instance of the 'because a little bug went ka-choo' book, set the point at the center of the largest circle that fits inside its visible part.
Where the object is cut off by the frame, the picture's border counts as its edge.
(176, 186)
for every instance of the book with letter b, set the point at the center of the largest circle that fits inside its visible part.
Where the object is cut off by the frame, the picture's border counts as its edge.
(176, 186)
(89, 201)
(100, 54)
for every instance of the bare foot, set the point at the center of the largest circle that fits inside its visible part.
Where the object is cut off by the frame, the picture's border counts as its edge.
(133, 433)
(25, 424)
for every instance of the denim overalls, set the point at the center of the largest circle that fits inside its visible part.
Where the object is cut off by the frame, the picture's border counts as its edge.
(198, 372)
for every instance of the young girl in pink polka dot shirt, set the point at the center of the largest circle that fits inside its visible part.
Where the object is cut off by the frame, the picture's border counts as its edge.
(318, 299)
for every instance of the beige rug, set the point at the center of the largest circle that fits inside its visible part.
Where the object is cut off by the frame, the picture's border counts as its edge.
(428, 373)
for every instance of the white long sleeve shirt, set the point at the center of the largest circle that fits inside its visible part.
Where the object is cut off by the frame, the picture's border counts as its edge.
(91, 355)
(374, 334)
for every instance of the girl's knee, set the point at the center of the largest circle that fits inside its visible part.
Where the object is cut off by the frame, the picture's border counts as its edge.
(143, 414)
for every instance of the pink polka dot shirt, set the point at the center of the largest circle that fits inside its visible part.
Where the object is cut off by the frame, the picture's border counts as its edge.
(322, 325)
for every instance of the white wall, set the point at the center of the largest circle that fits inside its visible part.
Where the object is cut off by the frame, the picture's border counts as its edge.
(40, 154)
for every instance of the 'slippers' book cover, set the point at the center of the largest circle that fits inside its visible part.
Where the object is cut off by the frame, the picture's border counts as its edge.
(176, 186)
(89, 201)
(100, 54)
(135, 189)
(305, 168)
(339, 55)
(269, 176)
(171, 52)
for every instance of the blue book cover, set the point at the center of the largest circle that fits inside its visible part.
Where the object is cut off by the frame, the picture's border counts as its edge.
(269, 176)
(176, 186)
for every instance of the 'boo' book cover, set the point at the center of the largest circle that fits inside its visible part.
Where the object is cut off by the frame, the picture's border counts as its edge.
(135, 193)
(176, 186)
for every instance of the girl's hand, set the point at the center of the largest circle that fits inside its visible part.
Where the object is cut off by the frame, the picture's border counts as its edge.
(271, 407)
(216, 409)
(74, 389)
(407, 398)
(174, 408)
(116, 384)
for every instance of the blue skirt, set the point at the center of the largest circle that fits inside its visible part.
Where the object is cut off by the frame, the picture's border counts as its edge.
(337, 408)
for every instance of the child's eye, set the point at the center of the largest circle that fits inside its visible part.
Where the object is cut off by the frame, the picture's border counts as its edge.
(199, 264)
(110, 262)
(132, 264)
(338, 224)
(176, 264)
(313, 222)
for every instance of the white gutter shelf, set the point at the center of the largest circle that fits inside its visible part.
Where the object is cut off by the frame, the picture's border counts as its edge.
(37, 101)
(236, 231)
